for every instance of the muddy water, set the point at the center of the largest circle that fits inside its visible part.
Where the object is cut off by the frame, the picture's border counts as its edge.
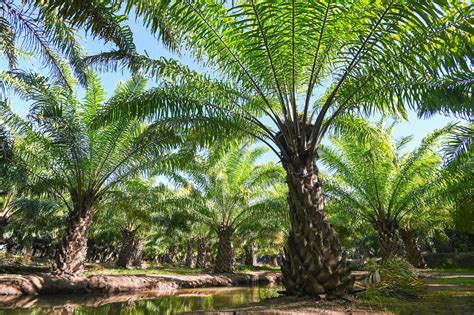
(443, 295)
(172, 302)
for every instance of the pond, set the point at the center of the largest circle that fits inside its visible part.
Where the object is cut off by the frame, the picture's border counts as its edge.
(173, 302)
(443, 295)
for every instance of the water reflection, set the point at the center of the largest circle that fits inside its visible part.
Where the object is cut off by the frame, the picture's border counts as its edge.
(172, 302)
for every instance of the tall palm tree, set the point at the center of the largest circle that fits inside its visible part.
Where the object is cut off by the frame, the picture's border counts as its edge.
(227, 189)
(288, 72)
(77, 163)
(385, 186)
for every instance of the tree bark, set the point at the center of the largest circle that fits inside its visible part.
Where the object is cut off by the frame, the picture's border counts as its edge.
(201, 253)
(388, 237)
(275, 260)
(225, 257)
(3, 226)
(128, 246)
(189, 253)
(72, 250)
(137, 257)
(250, 256)
(412, 250)
(170, 257)
(314, 262)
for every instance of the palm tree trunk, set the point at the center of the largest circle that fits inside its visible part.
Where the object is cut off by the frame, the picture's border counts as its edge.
(389, 240)
(128, 246)
(201, 253)
(314, 261)
(3, 227)
(137, 257)
(275, 260)
(250, 255)
(72, 250)
(170, 256)
(225, 256)
(412, 250)
(189, 253)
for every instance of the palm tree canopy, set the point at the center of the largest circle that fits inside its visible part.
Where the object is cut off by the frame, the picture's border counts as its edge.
(62, 149)
(228, 187)
(307, 64)
(49, 38)
(380, 179)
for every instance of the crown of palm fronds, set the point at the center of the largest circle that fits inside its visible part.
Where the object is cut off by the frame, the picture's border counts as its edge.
(376, 179)
(281, 54)
(227, 187)
(65, 152)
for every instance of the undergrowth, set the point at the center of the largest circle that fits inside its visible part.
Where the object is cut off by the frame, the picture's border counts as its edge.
(398, 279)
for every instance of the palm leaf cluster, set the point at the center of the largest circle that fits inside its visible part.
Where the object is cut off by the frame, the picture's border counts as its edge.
(229, 188)
(301, 64)
(377, 182)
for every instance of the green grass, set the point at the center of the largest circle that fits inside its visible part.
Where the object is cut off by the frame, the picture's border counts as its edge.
(110, 270)
(242, 268)
(374, 295)
(452, 270)
(123, 271)
(468, 281)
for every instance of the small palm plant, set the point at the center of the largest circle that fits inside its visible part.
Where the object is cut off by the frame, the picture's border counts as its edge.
(226, 190)
(75, 162)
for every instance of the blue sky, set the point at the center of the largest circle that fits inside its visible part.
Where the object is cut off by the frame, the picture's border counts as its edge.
(146, 43)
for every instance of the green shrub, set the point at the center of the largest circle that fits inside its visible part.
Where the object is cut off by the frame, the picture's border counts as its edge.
(397, 279)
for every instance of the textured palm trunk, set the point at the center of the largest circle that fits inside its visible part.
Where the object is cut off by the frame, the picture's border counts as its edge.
(388, 237)
(171, 254)
(3, 227)
(225, 257)
(314, 262)
(201, 253)
(72, 250)
(137, 257)
(126, 251)
(250, 255)
(189, 253)
(412, 250)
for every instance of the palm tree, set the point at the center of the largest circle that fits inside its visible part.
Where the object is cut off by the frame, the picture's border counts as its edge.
(288, 72)
(459, 158)
(77, 163)
(14, 184)
(225, 190)
(133, 209)
(386, 187)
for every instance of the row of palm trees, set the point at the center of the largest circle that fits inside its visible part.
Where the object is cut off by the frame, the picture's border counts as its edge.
(285, 72)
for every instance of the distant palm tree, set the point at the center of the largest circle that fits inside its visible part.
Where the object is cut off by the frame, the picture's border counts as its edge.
(378, 182)
(226, 190)
(70, 159)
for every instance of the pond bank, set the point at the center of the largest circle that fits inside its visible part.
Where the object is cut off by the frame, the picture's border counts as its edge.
(445, 293)
(14, 284)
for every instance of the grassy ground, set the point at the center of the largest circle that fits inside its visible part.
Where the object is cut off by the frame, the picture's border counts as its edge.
(443, 293)
(27, 265)
(450, 270)
(95, 269)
